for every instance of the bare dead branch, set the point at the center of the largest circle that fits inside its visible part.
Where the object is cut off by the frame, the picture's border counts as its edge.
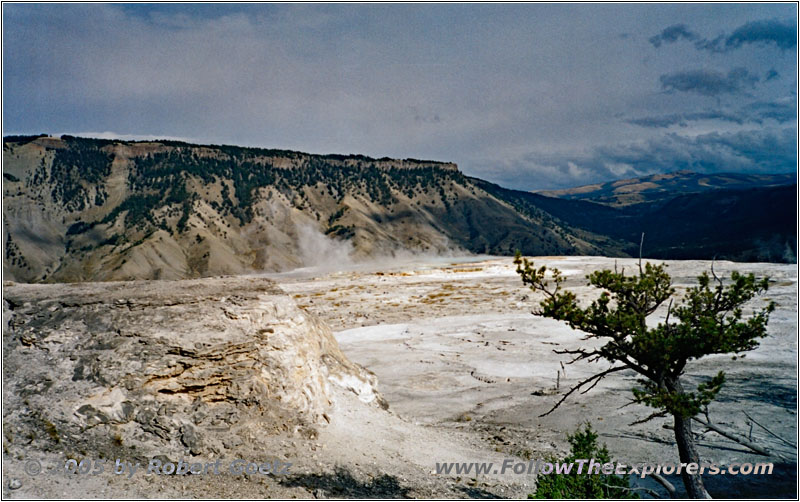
(580, 384)
(666, 484)
(789, 443)
(740, 439)
(591, 386)
(641, 245)
(669, 310)
(714, 274)
(638, 368)
(658, 414)
(579, 354)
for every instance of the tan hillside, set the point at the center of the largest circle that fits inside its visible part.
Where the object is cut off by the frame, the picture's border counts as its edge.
(660, 187)
(86, 210)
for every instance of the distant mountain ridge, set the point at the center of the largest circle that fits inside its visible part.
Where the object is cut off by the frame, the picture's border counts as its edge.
(77, 209)
(662, 186)
(754, 224)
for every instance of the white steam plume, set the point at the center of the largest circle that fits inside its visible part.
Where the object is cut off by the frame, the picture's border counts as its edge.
(322, 252)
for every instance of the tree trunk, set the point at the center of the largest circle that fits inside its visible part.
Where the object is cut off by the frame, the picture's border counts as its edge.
(686, 448)
(688, 454)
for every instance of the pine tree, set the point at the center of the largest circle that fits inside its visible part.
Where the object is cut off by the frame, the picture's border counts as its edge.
(708, 320)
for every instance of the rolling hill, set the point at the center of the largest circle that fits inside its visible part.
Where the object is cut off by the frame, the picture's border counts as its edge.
(754, 224)
(660, 187)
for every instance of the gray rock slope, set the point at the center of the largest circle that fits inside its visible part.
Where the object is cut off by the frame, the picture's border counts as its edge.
(165, 367)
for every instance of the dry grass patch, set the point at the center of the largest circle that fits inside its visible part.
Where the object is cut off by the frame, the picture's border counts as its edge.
(439, 295)
(474, 269)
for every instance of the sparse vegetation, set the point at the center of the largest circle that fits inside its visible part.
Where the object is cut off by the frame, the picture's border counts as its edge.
(252, 169)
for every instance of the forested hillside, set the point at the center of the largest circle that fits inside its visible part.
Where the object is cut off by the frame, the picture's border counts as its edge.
(83, 209)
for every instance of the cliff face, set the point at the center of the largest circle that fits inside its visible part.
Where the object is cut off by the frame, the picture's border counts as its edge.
(80, 210)
(166, 366)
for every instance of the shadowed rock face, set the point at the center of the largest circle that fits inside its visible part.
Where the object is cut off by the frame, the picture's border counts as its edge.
(180, 367)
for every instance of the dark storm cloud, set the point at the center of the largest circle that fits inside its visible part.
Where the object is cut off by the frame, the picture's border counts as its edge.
(672, 34)
(777, 111)
(758, 151)
(771, 75)
(477, 84)
(660, 122)
(708, 82)
(754, 113)
(682, 119)
(766, 32)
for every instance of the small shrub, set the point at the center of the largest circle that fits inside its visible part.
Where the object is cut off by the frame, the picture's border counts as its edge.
(583, 486)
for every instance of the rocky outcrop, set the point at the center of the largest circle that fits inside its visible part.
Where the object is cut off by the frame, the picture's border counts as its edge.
(187, 367)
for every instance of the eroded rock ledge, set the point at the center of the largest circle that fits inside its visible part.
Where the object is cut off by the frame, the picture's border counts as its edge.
(178, 367)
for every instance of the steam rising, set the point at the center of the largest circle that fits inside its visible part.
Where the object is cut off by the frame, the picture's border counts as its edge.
(322, 252)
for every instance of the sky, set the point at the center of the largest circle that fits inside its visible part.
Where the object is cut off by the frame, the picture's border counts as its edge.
(530, 96)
